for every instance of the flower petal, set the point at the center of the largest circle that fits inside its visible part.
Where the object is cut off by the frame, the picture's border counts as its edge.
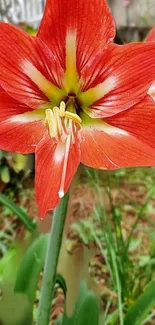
(21, 137)
(139, 121)
(90, 21)
(52, 169)
(151, 36)
(28, 70)
(20, 128)
(118, 78)
(151, 91)
(107, 147)
(10, 107)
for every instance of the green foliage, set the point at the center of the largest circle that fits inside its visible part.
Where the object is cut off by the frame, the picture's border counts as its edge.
(14, 309)
(128, 269)
(128, 277)
(86, 309)
(60, 280)
(31, 265)
(141, 308)
(19, 212)
(4, 169)
(9, 263)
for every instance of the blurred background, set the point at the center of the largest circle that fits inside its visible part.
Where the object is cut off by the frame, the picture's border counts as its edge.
(133, 17)
(111, 213)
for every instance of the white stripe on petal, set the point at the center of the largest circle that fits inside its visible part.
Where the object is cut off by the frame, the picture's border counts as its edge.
(94, 94)
(59, 152)
(100, 125)
(33, 116)
(51, 91)
(71, 75)
(36, 76)
(109, 129)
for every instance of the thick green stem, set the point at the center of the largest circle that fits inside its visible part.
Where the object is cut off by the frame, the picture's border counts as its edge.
(51, 262)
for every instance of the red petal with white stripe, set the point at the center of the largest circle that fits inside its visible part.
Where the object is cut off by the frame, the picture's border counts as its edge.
(106, 146)
(56, 164)
(16, 135)
(21, 137)
(139, 121)
(119, 77)
(28, 69)
(151, 38)
(90, 20)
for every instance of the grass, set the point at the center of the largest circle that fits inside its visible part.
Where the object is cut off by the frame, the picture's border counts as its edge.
(128, 274)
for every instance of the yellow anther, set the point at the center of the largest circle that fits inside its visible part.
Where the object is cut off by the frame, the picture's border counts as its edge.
(49, 115)
(56, 120)
(69, 115)
(56, 112)
(62, 109)
(73, 117)
(50, 122)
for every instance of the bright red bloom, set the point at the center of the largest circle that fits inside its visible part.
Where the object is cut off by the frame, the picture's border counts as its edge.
(151, 38)
(71, 95)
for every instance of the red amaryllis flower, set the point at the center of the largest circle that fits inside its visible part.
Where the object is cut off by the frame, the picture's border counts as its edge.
(151, 38)
(71, 95)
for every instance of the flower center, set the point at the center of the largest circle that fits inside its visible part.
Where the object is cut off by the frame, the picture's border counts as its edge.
(63, 121)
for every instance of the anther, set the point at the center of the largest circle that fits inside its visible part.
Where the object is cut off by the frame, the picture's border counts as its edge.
(62, 109)
(50, 122)
(56, 112)
(60, 122)
(73, 117)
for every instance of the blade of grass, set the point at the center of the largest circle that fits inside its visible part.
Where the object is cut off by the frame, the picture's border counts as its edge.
(21, 215)
(142, 306)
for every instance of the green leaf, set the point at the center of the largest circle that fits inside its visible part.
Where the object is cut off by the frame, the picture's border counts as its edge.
(59, 320)
(9, 263)
(61, 281)
(88, 312)
(141, 308)
(15, 309)
(66, 320)
(30, 268)
(21, 215)
(86, 309)
(112, 318)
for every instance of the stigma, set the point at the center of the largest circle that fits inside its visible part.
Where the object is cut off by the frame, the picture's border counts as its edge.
(62, 121)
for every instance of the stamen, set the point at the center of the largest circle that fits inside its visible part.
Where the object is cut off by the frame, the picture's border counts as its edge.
(62, 109)
(73, 117)
(60, 121)
(64, 127)
(50, 122)
(66, 156)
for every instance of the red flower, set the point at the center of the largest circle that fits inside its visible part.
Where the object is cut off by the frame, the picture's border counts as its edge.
(71, 95)
(151, 38)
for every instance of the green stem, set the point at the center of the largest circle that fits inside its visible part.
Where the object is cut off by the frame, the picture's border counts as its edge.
(52, 256)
